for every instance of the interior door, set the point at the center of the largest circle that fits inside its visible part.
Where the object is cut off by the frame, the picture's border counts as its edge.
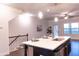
(55, 30)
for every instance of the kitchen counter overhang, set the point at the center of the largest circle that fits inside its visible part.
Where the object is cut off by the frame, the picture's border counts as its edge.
(50, 44)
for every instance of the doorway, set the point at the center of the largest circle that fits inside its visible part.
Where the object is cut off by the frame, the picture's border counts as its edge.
(55, 30)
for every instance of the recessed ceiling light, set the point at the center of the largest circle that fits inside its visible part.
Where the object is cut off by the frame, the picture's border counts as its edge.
(48, 10)
(25, 19)
(56, 19)
(40, 15)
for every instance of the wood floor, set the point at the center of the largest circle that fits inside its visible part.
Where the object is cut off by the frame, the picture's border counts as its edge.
(19, 52)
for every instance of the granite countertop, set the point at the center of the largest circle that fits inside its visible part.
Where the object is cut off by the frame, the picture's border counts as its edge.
(49, 43)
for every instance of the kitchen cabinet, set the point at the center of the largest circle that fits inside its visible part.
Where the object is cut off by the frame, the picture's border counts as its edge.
(62, 50)
(47, 47)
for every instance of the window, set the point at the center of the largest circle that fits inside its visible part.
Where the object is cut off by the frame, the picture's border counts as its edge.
(66, 28)
(74, 28)
(71, 28)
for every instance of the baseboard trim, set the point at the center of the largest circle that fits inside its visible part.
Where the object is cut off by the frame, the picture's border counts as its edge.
(7, 55)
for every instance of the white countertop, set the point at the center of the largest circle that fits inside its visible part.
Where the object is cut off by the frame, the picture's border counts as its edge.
(47, 43)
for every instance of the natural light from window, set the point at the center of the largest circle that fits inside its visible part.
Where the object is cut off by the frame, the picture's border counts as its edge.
(71, 28)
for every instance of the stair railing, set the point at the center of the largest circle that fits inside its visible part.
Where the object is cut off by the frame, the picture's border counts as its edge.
(16, 37)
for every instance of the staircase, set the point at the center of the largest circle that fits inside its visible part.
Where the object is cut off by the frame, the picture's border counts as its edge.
(18, 52)
(15, 45)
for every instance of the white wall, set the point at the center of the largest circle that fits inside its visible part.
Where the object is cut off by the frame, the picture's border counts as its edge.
(61, 22)
(6, 14)
(18, 28)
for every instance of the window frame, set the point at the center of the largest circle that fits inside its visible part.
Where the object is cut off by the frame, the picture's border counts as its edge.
(70, 28)
(65, 32)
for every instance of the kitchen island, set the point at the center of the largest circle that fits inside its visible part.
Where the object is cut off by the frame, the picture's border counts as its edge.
(49, 46)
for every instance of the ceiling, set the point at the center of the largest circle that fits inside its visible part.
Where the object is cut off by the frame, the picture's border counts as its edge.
(56, 9)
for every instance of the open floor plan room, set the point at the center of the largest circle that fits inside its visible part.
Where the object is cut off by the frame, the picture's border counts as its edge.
(39, 29)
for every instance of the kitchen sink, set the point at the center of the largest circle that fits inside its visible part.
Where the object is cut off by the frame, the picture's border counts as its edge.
(58, 39)
(34, 40)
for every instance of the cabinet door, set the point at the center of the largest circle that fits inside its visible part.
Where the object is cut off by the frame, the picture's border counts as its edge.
(60, 52)
(66, 51)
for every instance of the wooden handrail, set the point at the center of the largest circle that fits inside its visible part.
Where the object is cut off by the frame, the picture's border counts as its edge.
(17, 37)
